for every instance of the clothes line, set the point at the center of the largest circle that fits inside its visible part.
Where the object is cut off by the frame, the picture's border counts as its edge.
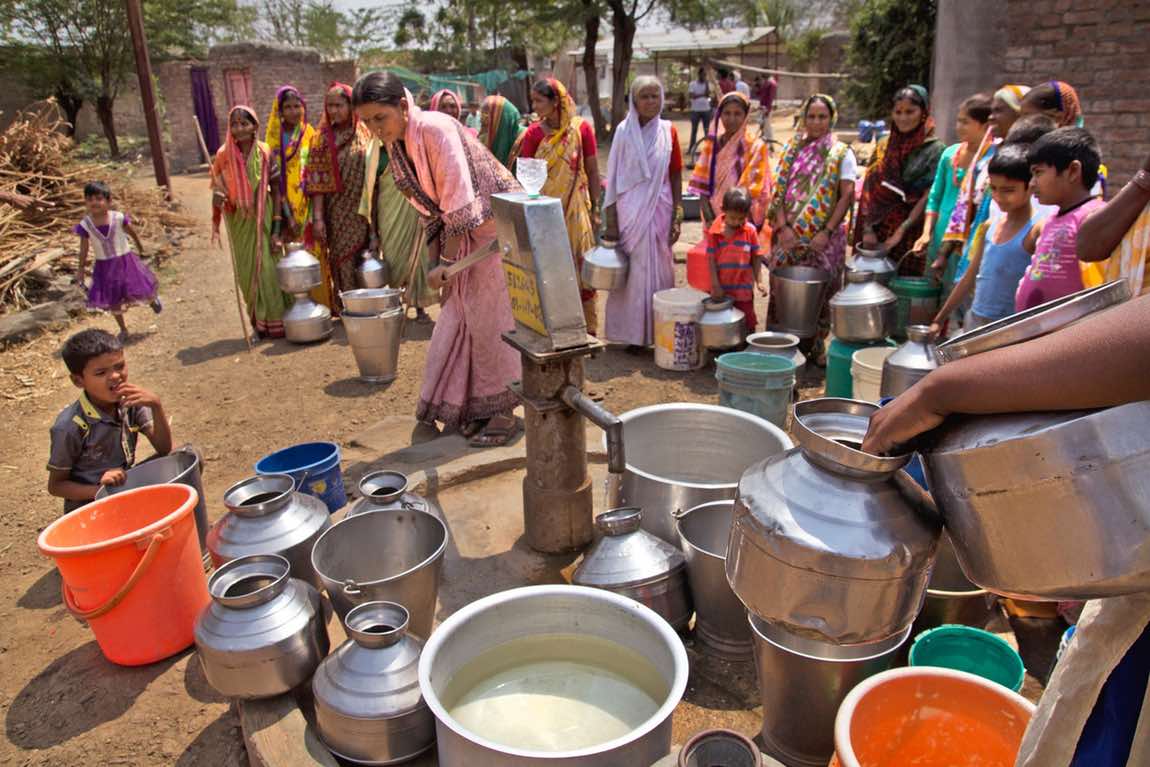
(761, 71)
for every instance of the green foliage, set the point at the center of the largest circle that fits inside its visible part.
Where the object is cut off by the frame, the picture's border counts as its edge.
(803, 48)
(891, 43)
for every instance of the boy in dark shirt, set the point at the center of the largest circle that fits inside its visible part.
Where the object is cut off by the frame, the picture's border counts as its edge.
(94, 438)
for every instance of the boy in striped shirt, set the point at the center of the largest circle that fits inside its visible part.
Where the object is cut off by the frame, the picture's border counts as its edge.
(733, 252)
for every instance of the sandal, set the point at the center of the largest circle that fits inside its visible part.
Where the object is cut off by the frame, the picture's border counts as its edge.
(498, 432)
(471, 428)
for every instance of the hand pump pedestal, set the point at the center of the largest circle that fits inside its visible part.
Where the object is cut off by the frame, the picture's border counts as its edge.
(551, 335)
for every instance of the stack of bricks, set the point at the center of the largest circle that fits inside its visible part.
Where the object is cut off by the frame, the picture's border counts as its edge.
(1102, 48)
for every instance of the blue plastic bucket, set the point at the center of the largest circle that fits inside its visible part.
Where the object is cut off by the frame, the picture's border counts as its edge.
(315, 467)
(759, 384)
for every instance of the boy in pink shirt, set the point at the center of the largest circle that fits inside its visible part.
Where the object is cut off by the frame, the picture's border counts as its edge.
(1064, 167)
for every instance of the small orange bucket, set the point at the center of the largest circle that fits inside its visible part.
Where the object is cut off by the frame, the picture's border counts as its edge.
(132, 569)
(930, 717)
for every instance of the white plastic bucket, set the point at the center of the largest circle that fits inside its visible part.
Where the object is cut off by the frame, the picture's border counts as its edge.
(866, 372)
(678, 335)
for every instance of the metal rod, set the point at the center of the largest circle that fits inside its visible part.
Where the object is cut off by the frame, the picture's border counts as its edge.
(148, 95)
(605, 420)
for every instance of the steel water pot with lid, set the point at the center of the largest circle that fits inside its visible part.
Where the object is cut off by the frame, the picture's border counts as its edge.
(371, 272)
(604, 267)
(298, 271)
(780, 344)
(266, 516)
(910, 362)
(368, 706)
(630, 561)
(827, 541)
(722, 324)
(874, 261)
(389, 490)
(864, 310)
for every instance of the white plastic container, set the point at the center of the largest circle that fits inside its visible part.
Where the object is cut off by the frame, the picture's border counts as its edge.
(866, 372)
(678, 335)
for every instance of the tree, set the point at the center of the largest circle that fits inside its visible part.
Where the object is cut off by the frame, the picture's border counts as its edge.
(891, 44)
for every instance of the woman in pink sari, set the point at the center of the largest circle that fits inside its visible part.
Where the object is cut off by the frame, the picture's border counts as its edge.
(449, 177)
(643, 211)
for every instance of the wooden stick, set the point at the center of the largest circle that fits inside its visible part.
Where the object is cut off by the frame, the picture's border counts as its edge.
(235, 271)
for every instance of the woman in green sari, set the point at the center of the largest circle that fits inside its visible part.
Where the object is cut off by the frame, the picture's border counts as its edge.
(499, 128)
(396, 231)
(245, 194)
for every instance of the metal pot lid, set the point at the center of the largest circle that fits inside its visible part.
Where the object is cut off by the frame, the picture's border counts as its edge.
(249, 581)
(626, 555)
(774, 340)
(259, 495)
(1035, 322)
(918, 354)
(830, 430)
(383, 486)
(863, 291)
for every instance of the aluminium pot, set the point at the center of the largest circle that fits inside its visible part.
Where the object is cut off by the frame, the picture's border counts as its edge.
(298, 271)
(604, 267)
(682, 454)
(909, 363)
(950, 596)
(864, 310)
(371, 272)
(374, 340)
(548, 610)
(368, 707)
(722, 324)
(266, 516)
(393, 555)
(181, 467)
(798, 293)
(371, 300)
(803, 681)
(634, 563)
(306, 321)
(874, 261)
(1047, 506)
(720, 618)
(779, 344)
(856, 575)
(263, 633)
(389, 490)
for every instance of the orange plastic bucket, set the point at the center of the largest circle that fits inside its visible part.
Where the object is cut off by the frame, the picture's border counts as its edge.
(930, 717)
(132, 569)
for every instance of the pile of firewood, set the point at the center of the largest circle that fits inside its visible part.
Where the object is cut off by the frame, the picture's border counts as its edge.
(42, 197)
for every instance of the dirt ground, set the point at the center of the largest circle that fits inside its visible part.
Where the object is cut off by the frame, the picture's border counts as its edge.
(62, 702)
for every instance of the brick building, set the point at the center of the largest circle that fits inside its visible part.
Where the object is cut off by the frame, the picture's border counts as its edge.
(1101, 47)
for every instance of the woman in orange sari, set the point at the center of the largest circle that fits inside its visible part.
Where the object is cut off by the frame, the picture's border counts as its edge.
(567, 143)
(732, 156)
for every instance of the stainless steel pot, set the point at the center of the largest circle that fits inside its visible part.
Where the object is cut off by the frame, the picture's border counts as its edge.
(298, 271)
(263, 632)
(864, 310)
(604, 267)
(630, 561)
(306, 321)
(722, 324)
(719, 748)
(720, 618)
(798, 293)
(802, 682)
(371, 300)
(266, 516)
(855, 574)
(682, 454)
(388, 556)
(874, 261)
(368, 707)
(181, 467)
(1052, 506)
(371, 272)
(910, 362)
(374, 340)
(389, 490)
(541, 611)
(950, 597)
(781, 344)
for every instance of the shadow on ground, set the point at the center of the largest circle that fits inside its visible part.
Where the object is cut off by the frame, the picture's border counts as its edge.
(224, 347)
(44, 594)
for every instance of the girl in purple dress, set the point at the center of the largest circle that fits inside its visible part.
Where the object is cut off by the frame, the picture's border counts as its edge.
(119, 277)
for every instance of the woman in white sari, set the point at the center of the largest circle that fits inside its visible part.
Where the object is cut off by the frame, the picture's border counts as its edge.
(643, 210)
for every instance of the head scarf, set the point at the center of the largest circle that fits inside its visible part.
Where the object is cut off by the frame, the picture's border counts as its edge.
(1069, 109)
(901, 145)
(503, 127)
(438, 97)
(328, 130)
(830, 104)
(274, 135)
(640, 154)
(719, 131)
(229, 171)
(1012, 95)
(566, 106)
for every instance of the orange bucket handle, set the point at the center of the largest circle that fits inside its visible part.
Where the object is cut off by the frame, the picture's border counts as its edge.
(141, 568)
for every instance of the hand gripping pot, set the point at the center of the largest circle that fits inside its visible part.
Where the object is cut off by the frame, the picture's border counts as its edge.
(829, 542)
(263, 633)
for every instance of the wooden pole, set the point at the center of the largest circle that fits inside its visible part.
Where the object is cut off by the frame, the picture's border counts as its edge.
(235, 275)
(148, 94)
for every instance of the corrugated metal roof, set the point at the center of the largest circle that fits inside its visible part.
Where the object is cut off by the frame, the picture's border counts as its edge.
(666, 41)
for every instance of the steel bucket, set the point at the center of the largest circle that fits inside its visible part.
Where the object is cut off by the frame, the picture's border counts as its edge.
(951, 598)
(798, 293)
(374, 340)
(180, 467)
(720, 618)
(363, 301)
(388, 555)
(802, 682)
